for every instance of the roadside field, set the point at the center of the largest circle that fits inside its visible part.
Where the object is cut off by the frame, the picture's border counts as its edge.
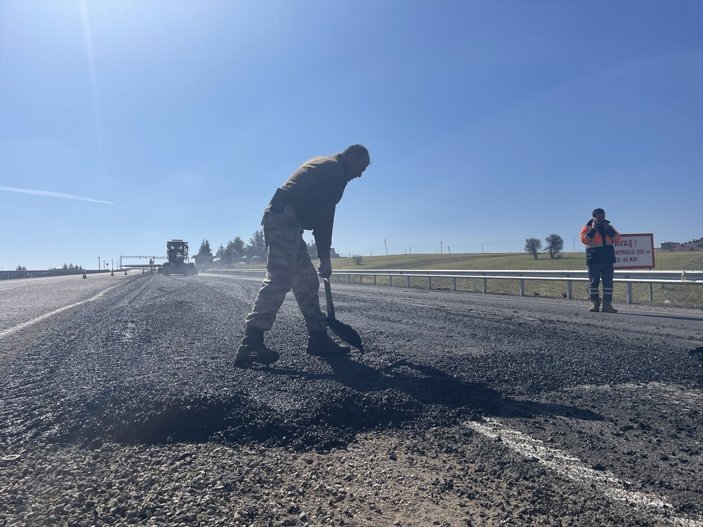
(692, 260)
(685, 296)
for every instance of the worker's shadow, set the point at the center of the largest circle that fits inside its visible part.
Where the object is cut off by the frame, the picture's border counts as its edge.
(351, 397)
(430, 387)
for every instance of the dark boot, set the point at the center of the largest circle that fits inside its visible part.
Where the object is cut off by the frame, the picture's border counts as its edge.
(595, 305)
(608, 306)
(252, 349)
(321, 345)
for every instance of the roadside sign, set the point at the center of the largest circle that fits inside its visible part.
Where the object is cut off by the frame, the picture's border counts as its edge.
(635, 251)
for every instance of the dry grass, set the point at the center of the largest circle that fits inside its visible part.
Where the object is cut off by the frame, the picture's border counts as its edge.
(674, 294)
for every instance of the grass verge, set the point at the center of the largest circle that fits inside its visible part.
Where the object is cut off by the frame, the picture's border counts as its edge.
(673, 294)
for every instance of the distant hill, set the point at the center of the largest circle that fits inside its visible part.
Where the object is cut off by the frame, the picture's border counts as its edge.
(693, 245)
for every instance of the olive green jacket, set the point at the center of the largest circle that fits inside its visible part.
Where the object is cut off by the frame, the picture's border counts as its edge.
(314, 191)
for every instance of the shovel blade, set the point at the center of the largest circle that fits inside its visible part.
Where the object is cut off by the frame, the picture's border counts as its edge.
(342, 330)
(345, 332)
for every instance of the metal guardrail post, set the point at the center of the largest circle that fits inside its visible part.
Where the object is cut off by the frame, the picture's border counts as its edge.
(629, 292)
(651, 293)
(569, 289)
(429, 283)
(454, 284)
(374, 279)
(485, 285)
(522, 287)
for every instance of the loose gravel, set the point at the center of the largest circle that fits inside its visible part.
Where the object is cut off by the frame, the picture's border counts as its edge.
(128, 411)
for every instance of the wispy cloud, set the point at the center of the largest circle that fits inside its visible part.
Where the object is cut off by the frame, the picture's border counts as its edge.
(52, 194)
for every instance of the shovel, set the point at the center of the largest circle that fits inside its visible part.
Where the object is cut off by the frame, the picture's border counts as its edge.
(345, 332)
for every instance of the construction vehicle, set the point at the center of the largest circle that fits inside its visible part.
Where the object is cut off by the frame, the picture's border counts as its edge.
(177, 255)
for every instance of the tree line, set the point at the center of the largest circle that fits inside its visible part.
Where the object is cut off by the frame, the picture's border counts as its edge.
(236, 250)
(554, 245)
(64, 267)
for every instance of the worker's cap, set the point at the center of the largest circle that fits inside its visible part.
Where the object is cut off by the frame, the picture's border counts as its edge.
(598, 211)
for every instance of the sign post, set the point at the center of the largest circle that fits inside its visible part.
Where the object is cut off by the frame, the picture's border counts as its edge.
(635, 251)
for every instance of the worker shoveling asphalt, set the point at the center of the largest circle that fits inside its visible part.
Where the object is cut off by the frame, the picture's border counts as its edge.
(306, 201)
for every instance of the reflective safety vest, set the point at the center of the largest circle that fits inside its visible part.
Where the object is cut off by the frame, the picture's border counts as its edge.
(599, 243)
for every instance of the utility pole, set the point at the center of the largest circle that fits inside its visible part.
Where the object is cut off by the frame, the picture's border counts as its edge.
(449, 249)
(440, 246)
(98, 263)
(386, 244)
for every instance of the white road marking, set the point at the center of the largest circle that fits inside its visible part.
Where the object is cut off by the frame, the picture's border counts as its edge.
(4, 333)
(129, 331)
(574, 469)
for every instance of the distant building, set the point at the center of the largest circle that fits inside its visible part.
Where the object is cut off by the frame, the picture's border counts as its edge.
(693, 245)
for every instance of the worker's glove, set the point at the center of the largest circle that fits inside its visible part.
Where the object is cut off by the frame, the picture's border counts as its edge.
(325, 268)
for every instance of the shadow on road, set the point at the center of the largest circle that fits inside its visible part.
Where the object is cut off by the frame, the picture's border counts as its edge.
(333, 407)
(431, 386)
(697, 353)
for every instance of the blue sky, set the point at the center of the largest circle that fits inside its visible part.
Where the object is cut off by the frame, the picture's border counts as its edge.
(125, 124)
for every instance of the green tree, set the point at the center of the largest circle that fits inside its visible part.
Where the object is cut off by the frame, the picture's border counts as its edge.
(532, 245)
(205, 249)
(233, 251)
(220, 252)
(238, 245)
(554, 245)
(257, 245)
(204, 257)
(312, 250)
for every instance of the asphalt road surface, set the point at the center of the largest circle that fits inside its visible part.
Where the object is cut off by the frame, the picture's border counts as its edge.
(120, 405)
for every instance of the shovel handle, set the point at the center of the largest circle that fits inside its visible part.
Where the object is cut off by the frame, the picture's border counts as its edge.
(328, 297)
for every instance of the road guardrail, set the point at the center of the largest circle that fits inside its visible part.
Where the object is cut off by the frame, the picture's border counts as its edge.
(688, 278)
(12, 275)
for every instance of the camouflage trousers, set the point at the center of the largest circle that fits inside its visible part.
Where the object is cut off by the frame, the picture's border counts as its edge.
(288, 266)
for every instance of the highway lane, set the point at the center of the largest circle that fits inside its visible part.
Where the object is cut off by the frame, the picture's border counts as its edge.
(496, 409)
(25, 300)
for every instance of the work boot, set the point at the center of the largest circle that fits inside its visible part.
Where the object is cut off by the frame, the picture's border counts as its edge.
(608, 307)
(595, 306)
(321, 345)
(252, 349)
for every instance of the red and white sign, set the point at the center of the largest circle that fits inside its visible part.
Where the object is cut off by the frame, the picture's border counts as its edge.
(635, 251)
